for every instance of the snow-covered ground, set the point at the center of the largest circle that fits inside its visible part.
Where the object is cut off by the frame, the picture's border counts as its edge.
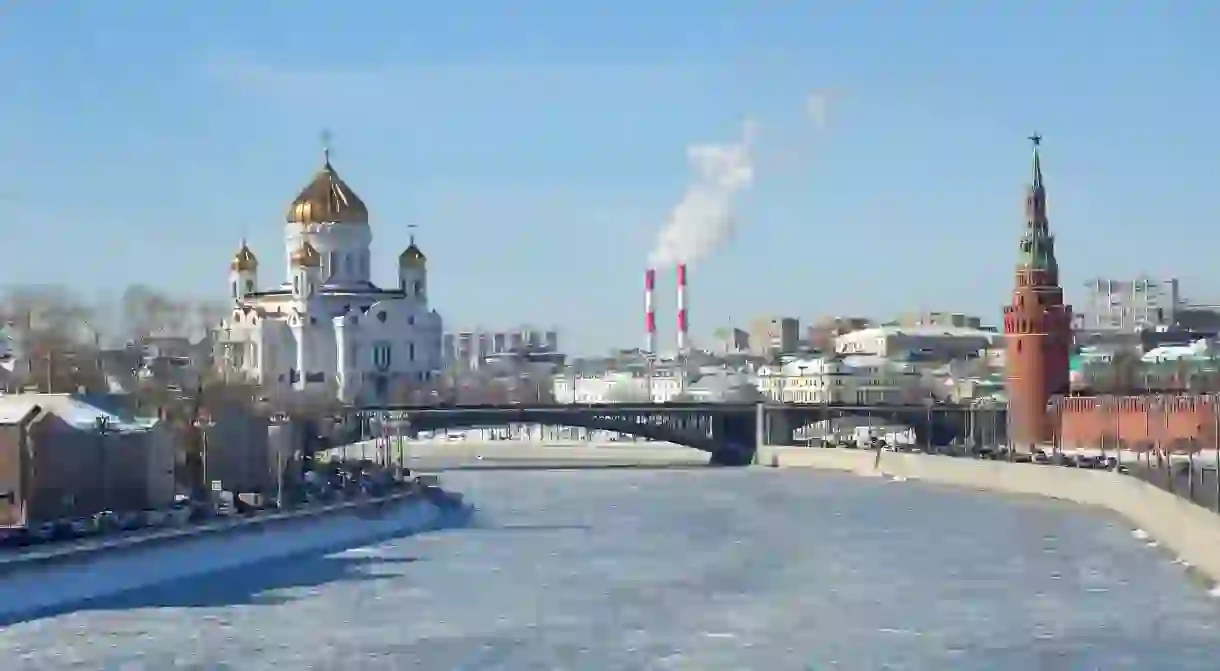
(61, 585)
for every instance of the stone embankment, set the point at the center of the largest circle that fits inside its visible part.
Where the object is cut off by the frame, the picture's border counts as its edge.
(35, 582)
(526, 452)
(1190, 531)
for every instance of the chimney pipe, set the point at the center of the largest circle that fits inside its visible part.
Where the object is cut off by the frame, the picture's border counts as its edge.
(650, 315)
(682, 319)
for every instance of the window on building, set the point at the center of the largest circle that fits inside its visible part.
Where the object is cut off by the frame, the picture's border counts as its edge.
(411, 351)
(417, 288)
(249, 286)
(235, 290)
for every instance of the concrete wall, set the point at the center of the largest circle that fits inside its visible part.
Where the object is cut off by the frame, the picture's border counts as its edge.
(1189, 530)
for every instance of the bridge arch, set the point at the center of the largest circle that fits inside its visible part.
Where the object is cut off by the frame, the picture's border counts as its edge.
(728, 437)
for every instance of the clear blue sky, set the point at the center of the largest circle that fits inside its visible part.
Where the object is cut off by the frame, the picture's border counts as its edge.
(539, 145)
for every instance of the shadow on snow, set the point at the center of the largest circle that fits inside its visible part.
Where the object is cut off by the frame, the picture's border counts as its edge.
(258, 583)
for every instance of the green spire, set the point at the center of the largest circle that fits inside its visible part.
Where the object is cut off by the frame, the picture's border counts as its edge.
(1037, 251)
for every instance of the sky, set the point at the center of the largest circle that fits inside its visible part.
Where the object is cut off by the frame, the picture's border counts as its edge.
(540, 147)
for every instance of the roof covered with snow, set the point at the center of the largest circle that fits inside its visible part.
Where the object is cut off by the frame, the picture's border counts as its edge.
(927, 332)
(74, 412)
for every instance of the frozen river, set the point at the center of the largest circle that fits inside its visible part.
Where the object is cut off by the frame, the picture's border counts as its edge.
(702, 569)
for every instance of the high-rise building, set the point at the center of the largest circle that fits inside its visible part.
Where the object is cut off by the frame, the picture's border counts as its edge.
(1129, 305)
(775, 335)
(468, 349)
(1037, 324)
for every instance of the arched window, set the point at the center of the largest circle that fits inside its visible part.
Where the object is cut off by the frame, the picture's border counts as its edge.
(249, 286)
(235, 290)
(418, 288)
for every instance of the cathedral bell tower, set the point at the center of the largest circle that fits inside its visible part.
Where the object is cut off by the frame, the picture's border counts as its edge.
(1037, 324)
(243, 273)
(413, 274)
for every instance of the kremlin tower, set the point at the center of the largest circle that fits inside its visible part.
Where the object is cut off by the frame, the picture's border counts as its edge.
(1037, 325)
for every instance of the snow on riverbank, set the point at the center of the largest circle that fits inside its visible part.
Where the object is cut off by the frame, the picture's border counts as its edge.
(56, 587)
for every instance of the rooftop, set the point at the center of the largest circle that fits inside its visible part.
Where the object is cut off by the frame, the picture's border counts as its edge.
(73, 411)
(927, 332)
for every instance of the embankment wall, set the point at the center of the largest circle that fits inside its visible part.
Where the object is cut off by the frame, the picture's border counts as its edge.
(1190, 531)
(28, 587)
(506, 450)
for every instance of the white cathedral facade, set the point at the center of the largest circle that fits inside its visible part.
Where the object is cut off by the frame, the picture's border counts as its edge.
(327, 328)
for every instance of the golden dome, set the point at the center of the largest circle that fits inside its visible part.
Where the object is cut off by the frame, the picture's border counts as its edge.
(244, 260)
(306, 256)
(327, 198)
(412, 256)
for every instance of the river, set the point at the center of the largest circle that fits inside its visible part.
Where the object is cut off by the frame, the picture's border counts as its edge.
(701, 569)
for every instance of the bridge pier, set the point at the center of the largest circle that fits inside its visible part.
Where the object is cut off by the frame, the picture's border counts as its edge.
(736, 439)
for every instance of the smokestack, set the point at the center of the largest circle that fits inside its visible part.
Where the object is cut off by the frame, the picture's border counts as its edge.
(682, 323)
(650, 315)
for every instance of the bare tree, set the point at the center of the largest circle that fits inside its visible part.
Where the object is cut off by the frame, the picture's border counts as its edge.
(56, 339)
(1123, 375)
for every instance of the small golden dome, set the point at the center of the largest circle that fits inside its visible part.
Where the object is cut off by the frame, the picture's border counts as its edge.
(306, 256)
(412, 256)
(327, 198)
(244, 260)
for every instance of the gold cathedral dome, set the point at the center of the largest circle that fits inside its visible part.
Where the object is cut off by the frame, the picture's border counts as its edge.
(306, 256)
(327, 198)
(244, 261)
(412, 256)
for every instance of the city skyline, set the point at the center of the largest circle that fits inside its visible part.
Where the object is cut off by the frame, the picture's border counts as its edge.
(539, 153)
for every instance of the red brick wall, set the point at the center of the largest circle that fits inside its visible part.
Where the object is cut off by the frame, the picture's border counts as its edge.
(1138, 422)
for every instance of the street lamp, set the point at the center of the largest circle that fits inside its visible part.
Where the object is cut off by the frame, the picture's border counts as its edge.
(280, 420)
(102, 425)
(204, 424)
(927, 445)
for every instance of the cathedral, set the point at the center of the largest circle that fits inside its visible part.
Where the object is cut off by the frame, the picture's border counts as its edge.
(327, 328)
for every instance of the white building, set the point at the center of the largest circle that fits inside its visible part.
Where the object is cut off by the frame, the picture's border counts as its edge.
(327, 327)
(937, 342)
(862, 380)
(619, 386)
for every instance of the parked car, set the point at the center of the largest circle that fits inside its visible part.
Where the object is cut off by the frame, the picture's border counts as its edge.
(106, 521)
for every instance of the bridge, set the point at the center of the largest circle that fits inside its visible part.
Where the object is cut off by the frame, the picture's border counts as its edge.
(730, 432)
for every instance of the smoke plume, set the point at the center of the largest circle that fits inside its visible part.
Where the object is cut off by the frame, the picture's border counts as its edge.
(817, 106)
(704, 218)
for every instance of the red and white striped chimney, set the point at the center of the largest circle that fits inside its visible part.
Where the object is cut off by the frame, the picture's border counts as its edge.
(650, 314)
(682, 322)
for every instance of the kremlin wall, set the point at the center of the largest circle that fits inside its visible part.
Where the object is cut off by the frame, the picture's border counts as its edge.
(1178, 423)
(1038, 336)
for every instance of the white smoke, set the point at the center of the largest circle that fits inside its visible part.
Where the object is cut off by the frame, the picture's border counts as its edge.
(704, 218)
(817, 106)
